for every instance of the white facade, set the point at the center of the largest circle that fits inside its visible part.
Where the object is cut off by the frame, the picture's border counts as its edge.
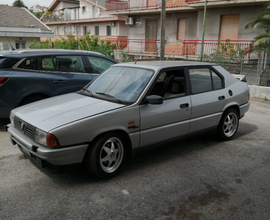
(16, 42)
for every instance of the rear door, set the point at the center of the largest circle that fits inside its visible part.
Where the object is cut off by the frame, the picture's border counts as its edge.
(208, 98)
(64, 73)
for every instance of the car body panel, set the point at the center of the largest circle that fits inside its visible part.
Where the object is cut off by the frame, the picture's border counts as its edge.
(71, 106)
(166, 121)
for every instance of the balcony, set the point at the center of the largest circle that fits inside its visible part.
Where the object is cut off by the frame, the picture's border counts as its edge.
(116, 5)
(68, 15)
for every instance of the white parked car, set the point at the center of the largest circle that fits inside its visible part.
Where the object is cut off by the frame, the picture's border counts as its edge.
(129, 108)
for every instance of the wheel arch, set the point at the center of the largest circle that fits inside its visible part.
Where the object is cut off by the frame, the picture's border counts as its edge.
(43, 95)
(123, 133)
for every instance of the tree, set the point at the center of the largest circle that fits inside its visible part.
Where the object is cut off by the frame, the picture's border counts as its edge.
(19, 3)
(262, 41)
(37, 14)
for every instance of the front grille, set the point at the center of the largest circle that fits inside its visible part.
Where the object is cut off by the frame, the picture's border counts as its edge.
(24, 127)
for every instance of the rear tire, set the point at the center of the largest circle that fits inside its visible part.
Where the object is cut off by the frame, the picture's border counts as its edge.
(228, 124)
(107, 155)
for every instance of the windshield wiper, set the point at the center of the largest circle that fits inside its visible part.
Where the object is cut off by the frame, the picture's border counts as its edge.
(86, 92)
(109, 96)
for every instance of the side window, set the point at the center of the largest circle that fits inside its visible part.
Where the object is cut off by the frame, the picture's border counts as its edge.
(47, 64)
(170, 84)
(30, 63)
(69, 64)
(204, 80)
(99, 64)
(217, 81)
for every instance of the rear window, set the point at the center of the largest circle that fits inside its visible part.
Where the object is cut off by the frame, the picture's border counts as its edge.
(7, 62)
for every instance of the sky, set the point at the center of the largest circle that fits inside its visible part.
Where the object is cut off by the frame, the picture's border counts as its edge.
(28, 3)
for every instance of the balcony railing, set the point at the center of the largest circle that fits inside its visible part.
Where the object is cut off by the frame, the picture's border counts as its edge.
(69, 15)
(116, 5)
(184, 48)
(193, 47)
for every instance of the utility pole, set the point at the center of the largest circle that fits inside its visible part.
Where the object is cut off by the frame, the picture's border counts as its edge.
(204, 14)
(162, 37)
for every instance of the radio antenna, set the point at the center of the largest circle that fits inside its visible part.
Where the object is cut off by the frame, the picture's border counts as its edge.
(10, 43)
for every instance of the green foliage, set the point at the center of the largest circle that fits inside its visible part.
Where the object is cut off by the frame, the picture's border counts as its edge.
(265, 99)
(262, 41)
(19, 3)
(37, 14)
(90, 43)
(125, 57)
(226, 52)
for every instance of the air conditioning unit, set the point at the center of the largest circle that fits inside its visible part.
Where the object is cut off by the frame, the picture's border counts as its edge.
(129, 21)
(112, 23)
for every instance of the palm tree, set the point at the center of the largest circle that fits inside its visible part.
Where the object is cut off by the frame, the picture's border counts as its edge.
(262, 41)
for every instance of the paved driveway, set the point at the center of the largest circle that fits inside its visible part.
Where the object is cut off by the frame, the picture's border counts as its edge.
(200, 178)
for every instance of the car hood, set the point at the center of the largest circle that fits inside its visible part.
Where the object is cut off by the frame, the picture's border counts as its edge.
(50, 113)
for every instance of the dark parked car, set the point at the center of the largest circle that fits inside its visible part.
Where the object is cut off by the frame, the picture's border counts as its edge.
(30, 75)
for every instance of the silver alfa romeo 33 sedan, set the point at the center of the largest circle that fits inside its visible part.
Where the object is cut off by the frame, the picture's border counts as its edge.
(128, 108)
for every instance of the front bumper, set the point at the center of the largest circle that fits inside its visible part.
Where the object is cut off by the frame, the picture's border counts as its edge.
(59, 156)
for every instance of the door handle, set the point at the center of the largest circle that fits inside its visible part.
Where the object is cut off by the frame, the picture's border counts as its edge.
(221, 97)
(186, 105)
(59, 81)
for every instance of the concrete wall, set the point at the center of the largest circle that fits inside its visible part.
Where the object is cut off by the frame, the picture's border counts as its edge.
(259, 92)
(120, 29)
(212, 23)
(194, 23)
(172, 25)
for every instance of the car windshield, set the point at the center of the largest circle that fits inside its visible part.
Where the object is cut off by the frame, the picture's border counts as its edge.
(120, 84)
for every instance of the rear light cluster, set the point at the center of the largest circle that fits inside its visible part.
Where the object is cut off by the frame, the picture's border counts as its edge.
(3, 80)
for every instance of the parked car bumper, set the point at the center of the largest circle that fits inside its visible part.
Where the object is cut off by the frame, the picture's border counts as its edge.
(59, 156)
(243, 109)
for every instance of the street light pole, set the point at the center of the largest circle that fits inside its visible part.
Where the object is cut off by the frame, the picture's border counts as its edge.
(162, 37)
(204, 14)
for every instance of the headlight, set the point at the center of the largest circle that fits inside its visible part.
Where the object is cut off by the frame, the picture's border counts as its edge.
(40, 137)
(45, 138)
(11, 117)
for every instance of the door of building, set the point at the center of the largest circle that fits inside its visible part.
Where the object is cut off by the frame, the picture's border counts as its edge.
(151, 36)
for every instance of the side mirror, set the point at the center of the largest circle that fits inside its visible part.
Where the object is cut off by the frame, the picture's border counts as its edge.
(154, 99)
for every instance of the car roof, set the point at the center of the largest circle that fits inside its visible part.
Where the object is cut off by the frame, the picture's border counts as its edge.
(156, 65)
(40, 52)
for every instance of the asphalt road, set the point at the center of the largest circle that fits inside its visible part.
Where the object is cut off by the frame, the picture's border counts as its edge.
(199, 178)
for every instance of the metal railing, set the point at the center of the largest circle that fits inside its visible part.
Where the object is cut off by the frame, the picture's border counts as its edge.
(116, 5)
(137, 46)
(193, 47)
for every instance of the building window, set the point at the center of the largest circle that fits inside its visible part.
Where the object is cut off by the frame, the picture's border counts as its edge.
(58, 31)
(97, 30)
(109, 30)
(83, 9)
(66, 29)
(77, 30)
(84, 30)
(181, 32)
(20, 45)
(229, 25)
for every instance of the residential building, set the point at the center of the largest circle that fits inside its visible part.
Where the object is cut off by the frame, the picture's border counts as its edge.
(184, 25)
(38, 8)
(78, 17)
(19, 28)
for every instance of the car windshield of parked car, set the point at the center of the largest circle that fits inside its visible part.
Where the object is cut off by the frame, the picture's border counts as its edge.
(120, 84)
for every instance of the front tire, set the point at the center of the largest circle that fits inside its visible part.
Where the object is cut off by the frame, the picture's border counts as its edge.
(107, 155)
(228, 124)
